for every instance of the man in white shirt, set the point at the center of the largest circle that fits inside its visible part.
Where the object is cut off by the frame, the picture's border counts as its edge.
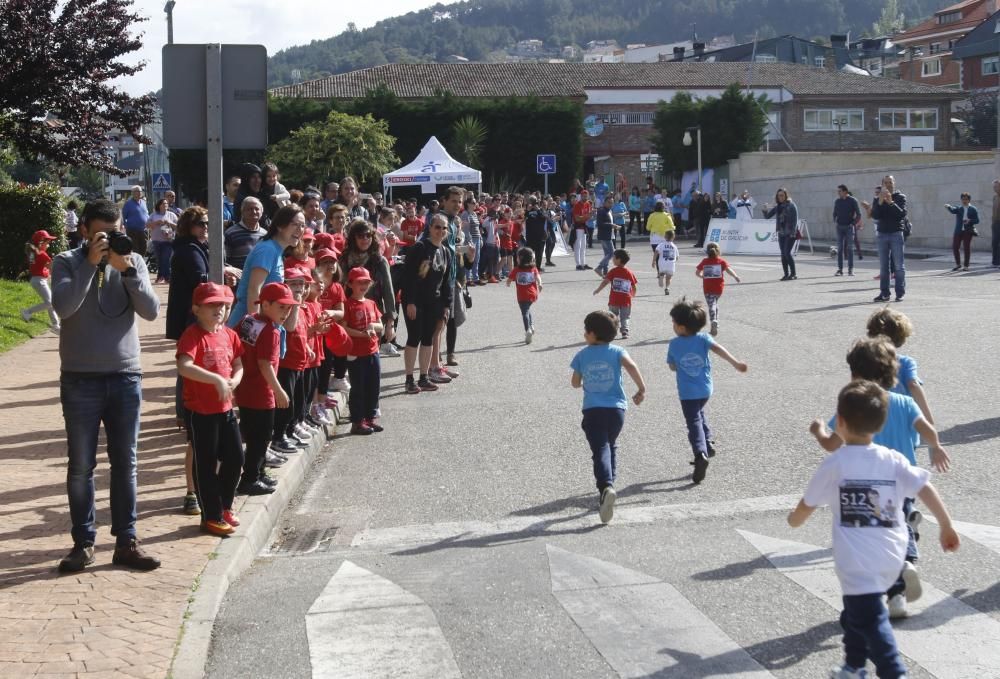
(744, 205)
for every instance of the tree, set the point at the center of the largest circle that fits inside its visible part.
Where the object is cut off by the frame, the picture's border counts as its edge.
(891, 19)
(58, 59)
(468, 136)
(341, 144)
(980, 117)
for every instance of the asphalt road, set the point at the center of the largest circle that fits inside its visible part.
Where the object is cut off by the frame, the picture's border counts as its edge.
(464, 540)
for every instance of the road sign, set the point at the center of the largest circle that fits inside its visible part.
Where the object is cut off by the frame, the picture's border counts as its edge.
(161, 181)
(545, 163)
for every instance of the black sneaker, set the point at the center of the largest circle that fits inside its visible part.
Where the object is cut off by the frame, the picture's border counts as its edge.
(840, 272)
(81, 556)
(700, 466)
(255, 488)
(283, 446)
(268, 481)
(710, 448)
(411, 386)
(426, 385)
(882, 298)
(913, 521)
(899, 298)
(132, 556)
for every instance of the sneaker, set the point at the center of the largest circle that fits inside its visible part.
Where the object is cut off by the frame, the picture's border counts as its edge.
(26, 315)
(840, 272)
(882, 298)
(607, 509)
(191, 506)
(230, 518)
(283, 446)
(624, 334)
(785, 277)
(700, 467)
(361, 429)
(132, 556)
(710, 448)
(897, 607)
(449, 372)
(848, 672)
(374, 426)
(587, 267)
(424, 385)
(965, 268)
(957, 268)
(493, 279)
(899, 298)
(320, 415)
(715, 328)
(451, 362)
(438, 377)
(666, 291)
(388, 350)
(550, 263)
(411, 386)
(913, 521)
(268, 481)
(911, 578)
(220, 528)
(273, 459)
(298, 439)
(850, 273)
(81, 556)
(340, 384)
(306, 429)
(527, 337)
(255, 488)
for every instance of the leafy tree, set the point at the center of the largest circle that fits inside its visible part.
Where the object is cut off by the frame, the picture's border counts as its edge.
(890, 20)
(468, 135)
(341, 144)
(730, 125)
(58, 58)
(980, 116)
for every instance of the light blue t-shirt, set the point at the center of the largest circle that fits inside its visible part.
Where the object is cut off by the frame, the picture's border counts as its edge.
(618, 212)
(600, 365)
(689, 354)
(267, 255)
(898, 432)
(907, 373)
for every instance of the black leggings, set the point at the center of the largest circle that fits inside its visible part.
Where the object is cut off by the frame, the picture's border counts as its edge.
(257, 427)
(633, 219)
(310, 378)
(285, 419)
(451, 336)
(420, 331)
(550, 245)
(216, 441)
(539, 249)
(366, 375)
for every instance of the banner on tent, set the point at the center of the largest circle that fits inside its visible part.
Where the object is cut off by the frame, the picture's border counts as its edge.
(745, 237)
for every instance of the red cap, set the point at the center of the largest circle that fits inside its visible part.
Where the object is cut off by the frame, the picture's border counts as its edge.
(359, 273)
(212, 293)
(324, 254)
(295, 273)
(276, 292)
(322, 240)
(308, 234)
(584, 193)
(41, 235)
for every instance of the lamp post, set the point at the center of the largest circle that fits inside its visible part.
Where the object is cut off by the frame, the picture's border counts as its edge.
(687, 142)
(840, 122)
(169, 9)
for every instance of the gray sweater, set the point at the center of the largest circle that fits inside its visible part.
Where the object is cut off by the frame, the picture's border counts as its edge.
(99, 332)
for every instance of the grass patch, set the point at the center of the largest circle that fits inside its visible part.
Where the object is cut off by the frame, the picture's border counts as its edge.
(14, 296)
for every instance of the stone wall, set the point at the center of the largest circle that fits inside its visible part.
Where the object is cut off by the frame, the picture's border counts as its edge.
(929, 180)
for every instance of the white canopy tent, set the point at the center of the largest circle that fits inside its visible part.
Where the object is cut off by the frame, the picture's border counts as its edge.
(432, 166)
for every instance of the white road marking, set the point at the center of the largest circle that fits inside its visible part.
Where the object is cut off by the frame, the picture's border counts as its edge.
(943, 635)
(643, 626)
(987, 536)
(363, 626)
(518, 527)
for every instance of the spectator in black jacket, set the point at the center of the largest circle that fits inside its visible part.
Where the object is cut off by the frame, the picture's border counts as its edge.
(846, 213)
(889, 213)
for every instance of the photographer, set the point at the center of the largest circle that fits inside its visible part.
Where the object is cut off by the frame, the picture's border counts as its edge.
(97, 290)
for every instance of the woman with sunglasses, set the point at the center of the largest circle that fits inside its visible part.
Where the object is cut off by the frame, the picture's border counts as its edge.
(363, 249)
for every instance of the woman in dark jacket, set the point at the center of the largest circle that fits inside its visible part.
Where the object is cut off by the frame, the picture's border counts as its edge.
(720, 208)
(700, 214)
(362, 249)
(786, 224)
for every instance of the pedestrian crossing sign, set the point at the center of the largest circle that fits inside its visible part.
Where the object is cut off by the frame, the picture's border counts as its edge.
(161, 181)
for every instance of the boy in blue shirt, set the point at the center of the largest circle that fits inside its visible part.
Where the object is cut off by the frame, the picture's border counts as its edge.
(688, 357)
(598, 369)
(874, 359)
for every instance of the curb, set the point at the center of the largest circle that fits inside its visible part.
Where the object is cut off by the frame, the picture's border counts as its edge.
(258, 516)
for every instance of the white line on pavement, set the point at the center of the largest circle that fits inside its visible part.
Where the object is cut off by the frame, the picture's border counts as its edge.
(987, 536)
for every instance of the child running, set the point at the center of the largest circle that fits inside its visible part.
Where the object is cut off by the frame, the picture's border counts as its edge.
(208, 358)
(665, 261)
(711, 270)
(39, 269)
(623, 286)
(864, 485)
(598, 369)
(896, 327)
(529, 284)
(688, 357)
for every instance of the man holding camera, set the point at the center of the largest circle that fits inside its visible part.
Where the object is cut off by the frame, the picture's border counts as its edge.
(97, 290)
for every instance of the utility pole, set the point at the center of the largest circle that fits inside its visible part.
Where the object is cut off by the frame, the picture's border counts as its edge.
(169, 9)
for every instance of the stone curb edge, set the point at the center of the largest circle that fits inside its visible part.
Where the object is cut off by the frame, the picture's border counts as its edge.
(235, 554)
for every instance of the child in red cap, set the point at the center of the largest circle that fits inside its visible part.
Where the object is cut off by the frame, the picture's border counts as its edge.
(39, 261)
(208, 358)
(363, 323)
(291, 433)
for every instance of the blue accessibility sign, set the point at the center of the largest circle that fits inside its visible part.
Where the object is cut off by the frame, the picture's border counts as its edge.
(161, 181)
(545, 163)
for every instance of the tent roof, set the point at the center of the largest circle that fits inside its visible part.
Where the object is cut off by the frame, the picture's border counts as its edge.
(432, 166)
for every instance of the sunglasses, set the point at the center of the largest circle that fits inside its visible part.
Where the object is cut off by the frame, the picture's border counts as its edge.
(367, 235)
(202, 222)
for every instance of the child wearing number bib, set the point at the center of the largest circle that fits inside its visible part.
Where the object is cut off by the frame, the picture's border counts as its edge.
(711, 271)
(623, 284)
(665, 262)
(529, 284)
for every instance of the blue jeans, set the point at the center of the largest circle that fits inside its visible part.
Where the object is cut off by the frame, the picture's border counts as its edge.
(699, 433)
(845, 243)
(868, 634)
(87, 401)
(602, 427)
(526, 315)
(164, 250)
(609, 251)
(366, 374)
(785, 244)
(891, 245)
(473, 271)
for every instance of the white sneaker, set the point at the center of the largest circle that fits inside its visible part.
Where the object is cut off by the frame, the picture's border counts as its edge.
(340, 384)
(911, 578)
(25, 315)
(607, 510)
(527, 337)
(715, 328)
(846, 672)
(304, 431)
(897, 607)
(388, 350)
(320, 415)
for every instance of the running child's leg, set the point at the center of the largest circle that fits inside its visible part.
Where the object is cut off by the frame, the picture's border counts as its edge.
(598, 425)
(712, 302)
(694, 416)
(867, 632)
(525, 314)
(624, 313)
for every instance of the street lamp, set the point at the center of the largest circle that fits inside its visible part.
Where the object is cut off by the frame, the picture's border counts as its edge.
(169, 9)
(687, 142)
(840, 123)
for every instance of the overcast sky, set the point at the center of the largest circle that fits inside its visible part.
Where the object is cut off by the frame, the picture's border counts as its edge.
(276, 24)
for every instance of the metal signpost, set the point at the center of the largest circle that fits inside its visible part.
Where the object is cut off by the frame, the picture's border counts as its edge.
(545, 164)
(214, 97)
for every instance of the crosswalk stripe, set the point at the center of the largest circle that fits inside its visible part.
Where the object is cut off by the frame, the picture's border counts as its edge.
(363, 626)
(643, 626)
(987, 536)
(943, 635)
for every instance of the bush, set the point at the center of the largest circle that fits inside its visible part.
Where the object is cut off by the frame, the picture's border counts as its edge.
(23, 210)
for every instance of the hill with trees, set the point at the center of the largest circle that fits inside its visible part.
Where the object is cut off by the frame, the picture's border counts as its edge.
(478, 29)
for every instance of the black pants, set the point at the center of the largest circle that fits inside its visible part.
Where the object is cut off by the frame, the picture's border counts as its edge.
(324, 371)
(634, 219)
(538, 247)
(257, 428)
(310, 378)
(366, 378)
(216, 442)
(702, 232)
(420, 330)
(550, 245)
(451, 335)
(996, 243)
(285, 418)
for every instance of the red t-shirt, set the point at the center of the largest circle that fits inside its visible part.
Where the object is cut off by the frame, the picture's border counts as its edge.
(526, 282)
(261, 341)
(358, 315)
(712, 271)
(316, 341)
(622, 282)
(515, 233)
(504, 233)
(40, 265)
(215, 352)
(411, 228)
(296, 343)
(333, 296)
(581, 213)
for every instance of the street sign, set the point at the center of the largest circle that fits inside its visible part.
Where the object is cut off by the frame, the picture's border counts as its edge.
(545, 163)
(593, 126)
(161, 181)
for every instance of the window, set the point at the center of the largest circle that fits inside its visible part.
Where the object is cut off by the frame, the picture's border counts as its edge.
(819, 61)
(934, 48)
(772, 127)
(929, 68)
(991, 65)
(826, 120)
(908, 119)
(766, 59)
(950, 18)
(626, 117)
(875, 66)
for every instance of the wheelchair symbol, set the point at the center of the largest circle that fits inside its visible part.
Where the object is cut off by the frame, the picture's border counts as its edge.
(546, 164)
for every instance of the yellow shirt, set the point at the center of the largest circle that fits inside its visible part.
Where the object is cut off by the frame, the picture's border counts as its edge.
(659, 223)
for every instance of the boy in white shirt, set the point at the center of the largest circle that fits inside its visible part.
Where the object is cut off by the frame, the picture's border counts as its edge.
(865, 485)
(665, 261)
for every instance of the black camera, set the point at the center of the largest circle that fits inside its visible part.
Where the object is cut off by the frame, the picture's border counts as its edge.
(119, 243)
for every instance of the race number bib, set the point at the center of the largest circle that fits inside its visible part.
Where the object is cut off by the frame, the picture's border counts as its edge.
(862, 505)
(249, 330)
(712, 271)
(622, 285)
(525, 277)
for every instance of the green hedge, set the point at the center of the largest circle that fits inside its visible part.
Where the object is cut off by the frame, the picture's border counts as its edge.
(25, 208)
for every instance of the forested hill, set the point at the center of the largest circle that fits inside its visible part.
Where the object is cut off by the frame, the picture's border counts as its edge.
(477, 29)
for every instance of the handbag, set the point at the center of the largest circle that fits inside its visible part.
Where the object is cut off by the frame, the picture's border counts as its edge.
(907, 228)
(572, 237)
(467, 296)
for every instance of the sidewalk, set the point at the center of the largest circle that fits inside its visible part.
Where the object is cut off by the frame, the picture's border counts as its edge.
(106, 621)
